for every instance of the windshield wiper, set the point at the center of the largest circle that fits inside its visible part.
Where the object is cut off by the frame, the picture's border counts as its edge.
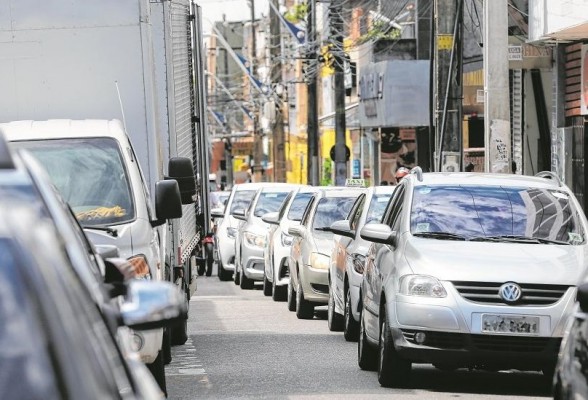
(516, 239)
(440, 235)
(113, 232)
(323, 228)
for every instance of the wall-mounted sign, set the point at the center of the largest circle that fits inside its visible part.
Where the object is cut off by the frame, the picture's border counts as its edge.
(515, 53)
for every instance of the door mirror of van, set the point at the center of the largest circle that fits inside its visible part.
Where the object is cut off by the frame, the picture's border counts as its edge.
(271, 218)
(239, 214)
(379, 233)
(168, 204)
(343, 228)
(152, 304)
(182, 170)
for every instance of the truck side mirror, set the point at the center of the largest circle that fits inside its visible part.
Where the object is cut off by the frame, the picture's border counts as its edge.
(182, 170)
(168, 203)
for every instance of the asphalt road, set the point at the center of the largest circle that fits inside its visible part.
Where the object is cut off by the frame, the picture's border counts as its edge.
(243, 345)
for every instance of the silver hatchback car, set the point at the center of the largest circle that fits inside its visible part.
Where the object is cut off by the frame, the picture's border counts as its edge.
(470, 270)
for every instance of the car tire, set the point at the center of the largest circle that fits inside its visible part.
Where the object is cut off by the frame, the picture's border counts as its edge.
(166, 348)
(334, 319)
(350, 326)
(236, 276)
(279, 293)
(246, 283)
(223, 274)
(157, 369)
(304, 308)
(178, 334)
(267, 286)
(367, 356)
(291, 297)
(393, 370)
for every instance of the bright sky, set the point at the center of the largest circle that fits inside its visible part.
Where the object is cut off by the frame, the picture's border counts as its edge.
(235, 10)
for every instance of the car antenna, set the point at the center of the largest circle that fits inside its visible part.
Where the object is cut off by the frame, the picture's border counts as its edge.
(122, 109)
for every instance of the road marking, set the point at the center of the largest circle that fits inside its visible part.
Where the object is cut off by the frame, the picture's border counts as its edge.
(185, 363)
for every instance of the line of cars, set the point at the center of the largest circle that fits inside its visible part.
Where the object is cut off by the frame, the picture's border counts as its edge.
(458, 270)
(72, 311)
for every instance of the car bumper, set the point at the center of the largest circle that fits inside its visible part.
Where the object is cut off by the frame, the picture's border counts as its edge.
(469, 350)
(150, 342)
(315, 283)
(253, 262)
(226, 251)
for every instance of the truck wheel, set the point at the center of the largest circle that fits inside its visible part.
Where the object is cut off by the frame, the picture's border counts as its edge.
(209, 258)
(179, 331)
(157, 369)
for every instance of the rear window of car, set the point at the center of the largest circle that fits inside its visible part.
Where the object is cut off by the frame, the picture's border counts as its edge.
(242, 200)
(377, 207)
(331, 209)
(269, 202)
(496, 211)
(298, 206)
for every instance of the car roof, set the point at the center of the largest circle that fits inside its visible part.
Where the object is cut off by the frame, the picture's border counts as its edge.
(341, 191)
(383, 189)
(279, 188)
(484, 179)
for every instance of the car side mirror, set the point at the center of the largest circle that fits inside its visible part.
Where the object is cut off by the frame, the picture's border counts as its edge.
(168, 202)
(152, 304)
(217, 213)
(379, 233)
(297, 230)
(181, 169)
(239, 214)
(343, 228)
(582, 296)
(114, 277)
(271, 218)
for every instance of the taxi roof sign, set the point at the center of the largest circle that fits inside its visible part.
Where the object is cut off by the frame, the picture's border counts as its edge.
(355, 182)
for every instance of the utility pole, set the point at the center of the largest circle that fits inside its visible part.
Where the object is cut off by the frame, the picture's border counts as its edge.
(449, 88)
(276, 76)
(337, 28)
(497, 140)
(311, 76)
(257, 139)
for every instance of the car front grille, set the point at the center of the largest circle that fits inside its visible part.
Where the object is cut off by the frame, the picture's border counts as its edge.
(532, 294)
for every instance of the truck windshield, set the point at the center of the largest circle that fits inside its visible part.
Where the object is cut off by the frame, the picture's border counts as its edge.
(496, 213)
(90, 175)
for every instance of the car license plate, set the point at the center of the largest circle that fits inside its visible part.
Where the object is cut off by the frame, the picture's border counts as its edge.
(513, 324)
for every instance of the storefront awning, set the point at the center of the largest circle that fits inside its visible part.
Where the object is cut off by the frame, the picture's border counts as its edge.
(351, 118)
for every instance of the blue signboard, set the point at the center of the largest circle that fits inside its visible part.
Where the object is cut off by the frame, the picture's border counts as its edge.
(356, 169)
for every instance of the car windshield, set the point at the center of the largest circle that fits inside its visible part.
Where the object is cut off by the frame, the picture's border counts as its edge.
(331, 209)
(242, 200)
(90, 175)
(269, 202)
(298, 206)
(377, 207)
(496, 212)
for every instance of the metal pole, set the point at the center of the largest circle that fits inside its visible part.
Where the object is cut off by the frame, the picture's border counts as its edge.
(257, 139)
(311, 76)
(337, 27)
(276, 75)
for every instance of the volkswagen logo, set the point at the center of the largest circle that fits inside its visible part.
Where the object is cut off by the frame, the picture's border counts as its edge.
(510, 292)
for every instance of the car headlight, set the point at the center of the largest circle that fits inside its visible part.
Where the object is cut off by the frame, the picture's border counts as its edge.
(286, 240)
(359, 263)
(421, 285)
(319, 261)
(232, 232)
(254, 240)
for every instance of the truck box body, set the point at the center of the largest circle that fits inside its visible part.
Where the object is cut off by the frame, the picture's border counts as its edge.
(109, 59)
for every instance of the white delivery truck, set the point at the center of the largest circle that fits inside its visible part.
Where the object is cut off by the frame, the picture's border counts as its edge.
(110, 97)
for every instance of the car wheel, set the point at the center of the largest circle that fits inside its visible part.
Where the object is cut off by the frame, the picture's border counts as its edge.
(304, 308)
(334, 319)
(351, 326)
(367, 357)
(236, 276)
(393, 370)
(157, 369)
(267, 286)
(246, 283)
(291, 297)
(223, 274)
(167, 355)
(278, 292)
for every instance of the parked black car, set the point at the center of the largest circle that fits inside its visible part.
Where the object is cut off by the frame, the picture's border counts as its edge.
(63, 335)
(570, 380)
